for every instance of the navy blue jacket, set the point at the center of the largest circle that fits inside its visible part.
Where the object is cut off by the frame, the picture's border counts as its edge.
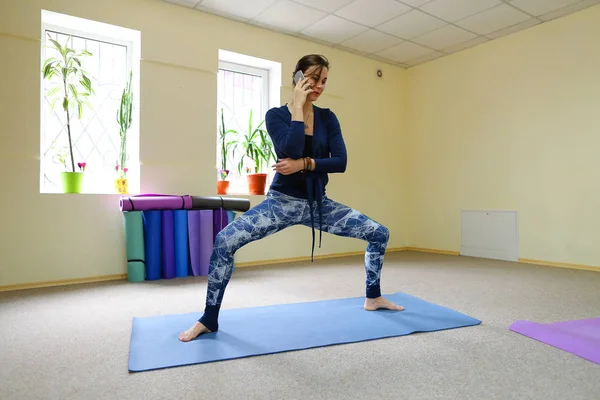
(328, 151)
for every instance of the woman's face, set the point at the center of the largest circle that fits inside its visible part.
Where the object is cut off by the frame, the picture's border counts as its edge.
(317, 81)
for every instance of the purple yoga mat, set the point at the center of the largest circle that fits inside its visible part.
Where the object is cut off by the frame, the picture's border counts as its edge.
(220, 220)
(580, 337)
(200, 234)
(168, 244)
(155, 202)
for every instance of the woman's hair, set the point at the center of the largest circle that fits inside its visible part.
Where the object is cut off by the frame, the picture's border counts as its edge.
(309, 61)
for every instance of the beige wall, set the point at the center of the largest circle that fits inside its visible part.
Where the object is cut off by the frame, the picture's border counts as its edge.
(55, 237)
(511, 124)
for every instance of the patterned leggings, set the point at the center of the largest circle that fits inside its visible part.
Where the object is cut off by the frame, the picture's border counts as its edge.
(277, 212)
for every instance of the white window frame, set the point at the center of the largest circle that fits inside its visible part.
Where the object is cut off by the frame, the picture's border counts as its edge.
(246, 69)
(270, 71)
(92, 32)
(88, 35)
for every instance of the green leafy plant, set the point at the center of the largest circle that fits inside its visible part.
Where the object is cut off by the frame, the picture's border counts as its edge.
(124, 118)
(225, 146)
(73, 85)
(61, 155)
(255, 145)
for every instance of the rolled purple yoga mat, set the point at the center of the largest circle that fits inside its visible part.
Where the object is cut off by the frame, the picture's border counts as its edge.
(168, 244)
(155, 202)
(220, 221)
(200, 233)
(194, 240)
(206, 240)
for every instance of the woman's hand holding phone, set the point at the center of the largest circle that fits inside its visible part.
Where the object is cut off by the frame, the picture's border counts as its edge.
(301, 90)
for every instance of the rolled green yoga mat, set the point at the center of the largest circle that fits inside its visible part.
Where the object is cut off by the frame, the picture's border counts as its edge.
(134, 240)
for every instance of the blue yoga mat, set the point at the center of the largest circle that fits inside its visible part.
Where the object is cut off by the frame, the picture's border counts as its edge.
(168, 244)
(181, 243)
(230, 216)
(246, 332)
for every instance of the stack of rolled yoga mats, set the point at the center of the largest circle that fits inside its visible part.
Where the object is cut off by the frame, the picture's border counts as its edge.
(171, 236)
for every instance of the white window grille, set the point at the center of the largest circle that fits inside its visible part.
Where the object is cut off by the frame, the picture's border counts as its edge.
(94, 137)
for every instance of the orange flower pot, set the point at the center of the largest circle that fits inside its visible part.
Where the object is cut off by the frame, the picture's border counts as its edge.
(222, 187)
(257, 183)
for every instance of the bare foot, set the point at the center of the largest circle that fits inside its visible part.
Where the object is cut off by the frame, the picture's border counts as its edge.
(194, 331)
(380, 302)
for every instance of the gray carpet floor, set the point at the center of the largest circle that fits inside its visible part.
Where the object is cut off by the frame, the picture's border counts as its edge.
(72, 342)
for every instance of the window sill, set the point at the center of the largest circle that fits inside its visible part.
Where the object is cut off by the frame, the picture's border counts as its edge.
(88, 194)
(239, 187)
(93, 188)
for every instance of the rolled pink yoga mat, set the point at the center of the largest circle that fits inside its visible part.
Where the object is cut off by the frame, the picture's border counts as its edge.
(155, 202)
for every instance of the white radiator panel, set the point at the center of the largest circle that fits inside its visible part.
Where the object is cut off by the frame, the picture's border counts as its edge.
(489, 234)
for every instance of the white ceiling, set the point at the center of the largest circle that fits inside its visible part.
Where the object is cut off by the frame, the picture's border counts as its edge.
(400, 32)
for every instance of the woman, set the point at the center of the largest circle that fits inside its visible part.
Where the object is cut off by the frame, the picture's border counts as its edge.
(309, 144)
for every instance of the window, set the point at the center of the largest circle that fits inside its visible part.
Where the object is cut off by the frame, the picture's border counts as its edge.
(246, 86)
(108, 54)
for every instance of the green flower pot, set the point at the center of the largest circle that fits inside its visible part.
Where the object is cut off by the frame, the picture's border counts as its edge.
(72, 182)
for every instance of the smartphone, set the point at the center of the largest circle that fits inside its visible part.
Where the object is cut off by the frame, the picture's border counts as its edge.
(298, 77)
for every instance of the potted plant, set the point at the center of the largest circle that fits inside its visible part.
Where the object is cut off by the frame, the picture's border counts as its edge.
(62, 156)
(223, 183)
(257, 146)
(72, 88)
(124, 117)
